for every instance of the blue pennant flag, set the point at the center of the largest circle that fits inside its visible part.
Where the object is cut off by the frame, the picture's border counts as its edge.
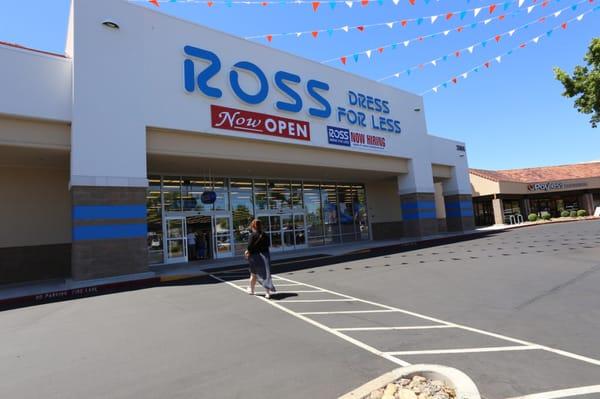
(445, 58)
(355, 56)
(380, 2)
(476, 70)
(549, 33)
(596, 8)
(574, 7)
(332, 4)
(474, 25)
(330, 32)
(526, 26)
(463, 14)
(427, 1)
(419, 21)
(394, 46)
(484, 43)
(445, 84)
(408, 72)
(509, 52)
(506, 5)
(228, 3)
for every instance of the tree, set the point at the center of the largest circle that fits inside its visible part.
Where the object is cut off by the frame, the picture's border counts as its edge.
(585, 83)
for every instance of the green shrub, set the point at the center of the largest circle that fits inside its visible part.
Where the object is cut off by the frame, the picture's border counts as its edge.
(581, 213)
(532, 217)
(573, 214)
(565, 214)
(546, 216)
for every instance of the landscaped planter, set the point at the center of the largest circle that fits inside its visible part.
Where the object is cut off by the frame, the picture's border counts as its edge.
(462, 385)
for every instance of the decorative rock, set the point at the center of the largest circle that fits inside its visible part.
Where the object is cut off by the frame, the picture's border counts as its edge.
(404, 381)
(417, 387)
(378, 394)
(389, 392)
(404, 393)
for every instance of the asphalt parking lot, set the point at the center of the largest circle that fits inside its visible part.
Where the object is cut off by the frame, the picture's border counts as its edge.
(518, 311)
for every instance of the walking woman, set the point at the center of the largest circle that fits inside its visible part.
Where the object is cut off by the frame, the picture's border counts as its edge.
(259, 260)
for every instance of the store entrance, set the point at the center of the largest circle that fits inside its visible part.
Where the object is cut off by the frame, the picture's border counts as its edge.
(199, 237)
(286, 230)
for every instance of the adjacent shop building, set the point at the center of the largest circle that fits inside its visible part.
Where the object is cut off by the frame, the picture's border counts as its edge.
(153, 140)
(503, 196)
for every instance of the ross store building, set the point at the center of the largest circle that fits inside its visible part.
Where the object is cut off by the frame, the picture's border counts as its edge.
(151, 132)
(500, 196)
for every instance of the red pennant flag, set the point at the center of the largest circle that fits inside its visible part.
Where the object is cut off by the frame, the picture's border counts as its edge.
(314, 34)
(380, 49)
(460, 29)
(403, 23)
(492, 8)
(269, 38)
(498, 37)
(542, 20)
(522, 45)
(454, 80)
(449, 15)
(564, 25)
(210, 4)
(457, 53)
(545, 3)
(487, 64)
(155, 2)
(264, 4)
(420, 38)
(421, 66)
(501, 17)
(360, 28)
(343, 59)
(364, 2)
(412, 2)
(316, 5)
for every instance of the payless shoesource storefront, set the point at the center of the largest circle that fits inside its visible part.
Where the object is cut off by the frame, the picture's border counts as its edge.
(508, 196)
(158, 141)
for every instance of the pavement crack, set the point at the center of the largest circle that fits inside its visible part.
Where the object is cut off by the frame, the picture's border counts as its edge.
(559, 287)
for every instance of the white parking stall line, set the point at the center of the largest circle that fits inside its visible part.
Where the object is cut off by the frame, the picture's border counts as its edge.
(560, 352)
(287, 292)
(563, 393)
(350, 311)
(394, 328)
(338, 334)
(464, 350)
(316, 300)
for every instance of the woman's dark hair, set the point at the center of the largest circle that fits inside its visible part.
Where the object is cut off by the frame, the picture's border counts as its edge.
(256, 225)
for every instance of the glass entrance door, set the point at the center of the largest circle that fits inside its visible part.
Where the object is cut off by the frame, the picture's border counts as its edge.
(223, 236)
(175, 240)
(286, 231)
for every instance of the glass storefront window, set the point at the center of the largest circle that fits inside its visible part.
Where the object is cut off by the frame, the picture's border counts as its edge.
(329, 202)
(279, 195)
(359, 200)
(172, 194)
(260, 195)
(191, 191)
(154, 220)
(220, 188)
(242, 212)
(297, 201)
(346, 212)
(314, 219)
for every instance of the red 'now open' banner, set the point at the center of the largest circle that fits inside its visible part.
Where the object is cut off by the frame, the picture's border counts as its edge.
(253, 122)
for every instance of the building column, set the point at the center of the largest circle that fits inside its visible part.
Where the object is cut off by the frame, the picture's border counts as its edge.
(418, 214)
(587, 203)
(498, 211)
(109, 231)
(459, 212)
(526, 208)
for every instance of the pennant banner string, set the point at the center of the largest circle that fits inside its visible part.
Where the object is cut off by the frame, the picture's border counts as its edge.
(471, 48)
(446, 32)
(461, 14)
(499, 58)
(315, 4)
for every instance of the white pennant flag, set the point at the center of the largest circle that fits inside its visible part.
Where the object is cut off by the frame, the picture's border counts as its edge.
(446, 32)
(464, 75)
(530, 8)
(499, 58)
(521, 2)
(476, 11)
(556, 14)
(433, 18)
(368, 53)
(349, 4)
(434, 63)
(298, 34)
(487, 21)
(511, 32)
(406, 42)
(395, 2)
(345, 28)
(536, 39)
(390, 24)
(470, 49)
(435, 89)
(580, 17)
(397, 74)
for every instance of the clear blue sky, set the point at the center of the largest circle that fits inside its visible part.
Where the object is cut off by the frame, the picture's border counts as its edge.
(510, 116)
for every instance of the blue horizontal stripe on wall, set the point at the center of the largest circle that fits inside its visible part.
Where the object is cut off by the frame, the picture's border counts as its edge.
(457, 205)
(457, 213)
(93, 212)
(106, 232)
(418, 205)
(419, 215)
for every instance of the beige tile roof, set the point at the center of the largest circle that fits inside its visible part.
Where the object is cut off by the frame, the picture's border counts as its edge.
(541, 174)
